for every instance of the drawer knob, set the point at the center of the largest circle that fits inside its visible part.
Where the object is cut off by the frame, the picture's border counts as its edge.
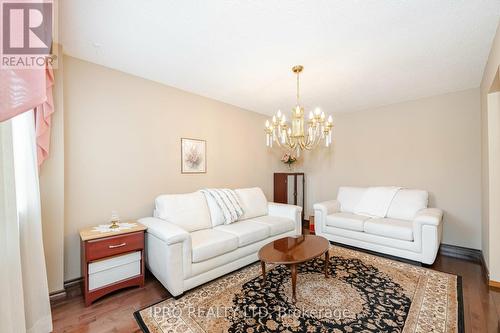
(115, 246)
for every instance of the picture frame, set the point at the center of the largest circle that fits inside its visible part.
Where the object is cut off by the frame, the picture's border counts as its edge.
(193, 156)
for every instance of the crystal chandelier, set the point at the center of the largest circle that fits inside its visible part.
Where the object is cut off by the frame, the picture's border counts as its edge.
(293, 136)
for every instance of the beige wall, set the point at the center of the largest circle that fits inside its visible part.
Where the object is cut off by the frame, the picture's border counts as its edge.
(431, 144)
(122, 147)
(490, 237)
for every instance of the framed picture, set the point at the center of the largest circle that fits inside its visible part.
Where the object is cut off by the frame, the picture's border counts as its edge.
(193, 156)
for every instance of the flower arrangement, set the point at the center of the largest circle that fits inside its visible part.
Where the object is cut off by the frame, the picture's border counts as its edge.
(289, 159)
(193, 157)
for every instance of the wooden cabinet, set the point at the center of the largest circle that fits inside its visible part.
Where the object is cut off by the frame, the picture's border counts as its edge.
(111, 260)
(289, 189)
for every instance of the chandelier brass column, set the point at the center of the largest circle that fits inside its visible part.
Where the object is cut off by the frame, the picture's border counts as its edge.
(292, 135)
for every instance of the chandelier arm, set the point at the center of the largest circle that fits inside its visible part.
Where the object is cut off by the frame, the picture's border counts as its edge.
(310, 138)
(293, 143)
(307, 145)
(290, 143)
(278, 142)
(305, 142)
(305, 139)
(286, 144)
(301, 144)
(310, 144)
(310, 141)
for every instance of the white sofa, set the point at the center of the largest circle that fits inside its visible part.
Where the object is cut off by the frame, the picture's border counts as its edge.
(186, 246)
(409, 230)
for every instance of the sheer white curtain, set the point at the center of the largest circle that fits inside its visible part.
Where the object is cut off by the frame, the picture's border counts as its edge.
(24, 304)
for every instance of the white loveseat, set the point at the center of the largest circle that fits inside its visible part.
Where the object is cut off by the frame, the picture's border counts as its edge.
(409, 230)
(187, 246)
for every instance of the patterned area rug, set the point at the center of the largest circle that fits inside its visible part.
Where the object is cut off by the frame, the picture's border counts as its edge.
(364, 293)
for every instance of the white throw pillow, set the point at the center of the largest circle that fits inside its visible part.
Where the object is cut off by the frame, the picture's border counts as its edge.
(216, 214)
(253, 201)
(407, 203)
(188, 211)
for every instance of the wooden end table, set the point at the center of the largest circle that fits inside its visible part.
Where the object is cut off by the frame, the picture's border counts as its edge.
(292, 251)
(111, 260)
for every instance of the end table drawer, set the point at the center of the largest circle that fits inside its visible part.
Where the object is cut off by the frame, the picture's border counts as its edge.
(110, 246)
(108, 271)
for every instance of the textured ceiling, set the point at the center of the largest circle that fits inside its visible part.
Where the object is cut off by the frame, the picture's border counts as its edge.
(357, 54)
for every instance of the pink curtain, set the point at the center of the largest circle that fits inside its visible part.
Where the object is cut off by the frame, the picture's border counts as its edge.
(22, 90)
(43, 115)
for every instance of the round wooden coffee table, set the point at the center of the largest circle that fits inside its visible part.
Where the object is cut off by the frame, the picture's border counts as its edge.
(292, 251)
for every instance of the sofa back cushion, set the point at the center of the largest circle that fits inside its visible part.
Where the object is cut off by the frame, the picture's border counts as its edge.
(349, 197)
(407, 203)
(189, 211)
(253, 201)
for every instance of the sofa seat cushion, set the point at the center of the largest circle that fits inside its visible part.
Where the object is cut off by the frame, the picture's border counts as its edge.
(247, 232)
(346, 221)
(390, 228)
(277, 225)
(209, 243)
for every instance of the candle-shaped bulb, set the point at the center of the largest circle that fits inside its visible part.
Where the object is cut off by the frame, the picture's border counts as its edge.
(283, 119)
(330, 119)
(322, 116)
(267, 123)
(274, 119)
(289, 131)
(317, 111)
(279, 114)
(311, 115)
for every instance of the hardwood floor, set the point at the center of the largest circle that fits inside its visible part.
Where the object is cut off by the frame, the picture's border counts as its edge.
(481, 310)
(113, 313)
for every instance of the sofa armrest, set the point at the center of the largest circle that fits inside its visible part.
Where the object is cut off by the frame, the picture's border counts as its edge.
(428, 229)
(327, 207)
(291, 212)
(164, 230)
(429, 216)
(168, 253)
(321, 211)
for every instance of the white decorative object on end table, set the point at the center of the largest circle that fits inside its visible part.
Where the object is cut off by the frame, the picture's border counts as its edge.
(120, 227)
